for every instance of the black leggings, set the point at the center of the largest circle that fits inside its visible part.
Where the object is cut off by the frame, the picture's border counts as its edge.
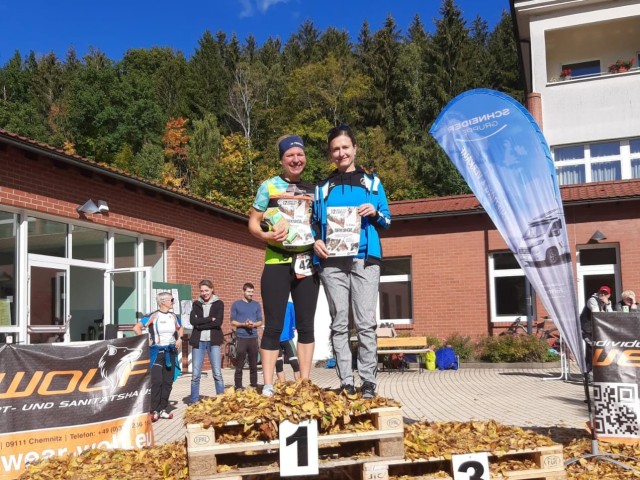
(276, 284)
(288, 351)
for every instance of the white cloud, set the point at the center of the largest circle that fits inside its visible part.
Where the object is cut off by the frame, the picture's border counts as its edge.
(249, 6)
(264, 5)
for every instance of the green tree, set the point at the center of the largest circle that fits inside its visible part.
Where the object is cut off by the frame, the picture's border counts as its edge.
(94, 118)
(505, 67)
(380, 64)
(451, 51)
(148, 162)
(207, 90)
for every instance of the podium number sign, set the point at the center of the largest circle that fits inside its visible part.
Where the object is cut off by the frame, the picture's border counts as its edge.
(298, 448)
(471, 466)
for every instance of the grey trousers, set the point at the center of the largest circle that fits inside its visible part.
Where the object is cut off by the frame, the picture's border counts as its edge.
(342, 278)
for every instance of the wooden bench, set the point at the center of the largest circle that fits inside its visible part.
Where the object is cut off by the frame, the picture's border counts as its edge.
(404, 345)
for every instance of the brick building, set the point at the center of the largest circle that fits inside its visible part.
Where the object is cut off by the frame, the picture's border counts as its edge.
(56, 261)
(463, 278)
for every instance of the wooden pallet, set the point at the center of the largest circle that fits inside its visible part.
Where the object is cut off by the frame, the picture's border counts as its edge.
(549, 466)
(255, 459)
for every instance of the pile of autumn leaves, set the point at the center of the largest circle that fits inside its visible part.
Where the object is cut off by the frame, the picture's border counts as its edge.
(248, 416)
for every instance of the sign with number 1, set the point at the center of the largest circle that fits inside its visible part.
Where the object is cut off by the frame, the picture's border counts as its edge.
(471, 466)
(298, 448)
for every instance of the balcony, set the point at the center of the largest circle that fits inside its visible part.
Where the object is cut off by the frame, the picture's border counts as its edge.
(592, 49)
(593, 103)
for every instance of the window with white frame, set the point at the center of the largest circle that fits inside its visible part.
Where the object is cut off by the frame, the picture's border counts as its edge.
(598, 162)
(395, 291)
(507, 287)
(634, 153)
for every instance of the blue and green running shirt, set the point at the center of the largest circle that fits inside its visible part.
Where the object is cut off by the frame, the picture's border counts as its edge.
(295, 202)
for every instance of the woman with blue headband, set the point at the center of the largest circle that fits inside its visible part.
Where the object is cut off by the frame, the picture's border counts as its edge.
(281, 217)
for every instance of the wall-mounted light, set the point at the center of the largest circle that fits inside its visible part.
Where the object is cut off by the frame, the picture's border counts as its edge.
(90, 207)
(597, 237)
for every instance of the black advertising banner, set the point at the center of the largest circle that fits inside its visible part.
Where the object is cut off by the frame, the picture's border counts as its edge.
(616, 375)
(59, 399)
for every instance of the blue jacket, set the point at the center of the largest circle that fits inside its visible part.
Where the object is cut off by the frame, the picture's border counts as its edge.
(348, 190)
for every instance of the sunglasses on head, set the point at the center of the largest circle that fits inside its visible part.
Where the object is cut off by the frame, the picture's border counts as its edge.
(604, 293)
(340, 128)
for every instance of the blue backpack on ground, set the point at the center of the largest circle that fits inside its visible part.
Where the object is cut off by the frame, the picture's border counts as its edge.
(446, 359)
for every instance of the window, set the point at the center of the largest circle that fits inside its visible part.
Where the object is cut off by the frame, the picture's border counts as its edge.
(583, 69)
(154, 257)
(8, 228)
(47, 237)
(395, 291)
(598, 162)
(88, 244)
(124, 251)
(634, 151)
(508, 288)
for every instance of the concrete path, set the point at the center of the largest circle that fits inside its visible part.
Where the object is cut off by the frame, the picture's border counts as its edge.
(520, 397)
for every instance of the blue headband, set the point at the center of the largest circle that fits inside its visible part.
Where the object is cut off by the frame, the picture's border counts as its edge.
(290, 142)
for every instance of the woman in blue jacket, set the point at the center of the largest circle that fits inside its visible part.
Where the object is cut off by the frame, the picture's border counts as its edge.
(350, 207)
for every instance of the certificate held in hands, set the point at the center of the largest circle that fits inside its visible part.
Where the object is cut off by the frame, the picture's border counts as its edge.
(343, 231)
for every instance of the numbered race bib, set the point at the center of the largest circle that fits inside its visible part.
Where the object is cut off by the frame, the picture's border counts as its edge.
(302, 265)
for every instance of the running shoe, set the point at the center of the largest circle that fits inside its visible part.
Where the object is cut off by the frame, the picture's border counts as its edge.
(348, 389)
(368, 390)
(267, 391)
(166, 415)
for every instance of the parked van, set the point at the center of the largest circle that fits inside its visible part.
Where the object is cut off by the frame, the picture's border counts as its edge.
(544, 242)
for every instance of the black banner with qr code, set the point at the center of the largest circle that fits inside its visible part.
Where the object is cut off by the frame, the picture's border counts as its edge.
(616, 374)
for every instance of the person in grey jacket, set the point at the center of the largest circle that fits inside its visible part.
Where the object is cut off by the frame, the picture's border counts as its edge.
(207, 313)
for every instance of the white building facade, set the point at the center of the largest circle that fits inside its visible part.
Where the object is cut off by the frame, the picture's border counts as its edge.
(581, 68)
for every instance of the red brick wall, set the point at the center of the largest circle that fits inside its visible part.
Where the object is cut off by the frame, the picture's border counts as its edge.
(450, 277)
(200, 243)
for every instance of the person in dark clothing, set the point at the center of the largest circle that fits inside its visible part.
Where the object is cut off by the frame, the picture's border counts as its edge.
(207, 313)
(246, 317)
(281, 218)
(598, 302)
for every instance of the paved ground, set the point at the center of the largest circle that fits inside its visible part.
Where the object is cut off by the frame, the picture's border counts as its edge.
(521, 397)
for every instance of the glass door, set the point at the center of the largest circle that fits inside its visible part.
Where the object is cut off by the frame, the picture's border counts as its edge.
(129, 297)
(597, 267)
(48, 319)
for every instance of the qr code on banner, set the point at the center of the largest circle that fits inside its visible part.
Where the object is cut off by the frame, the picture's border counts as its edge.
(616, 409)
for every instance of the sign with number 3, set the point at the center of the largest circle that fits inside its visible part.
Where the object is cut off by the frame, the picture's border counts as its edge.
(471, 466)
(298, 448)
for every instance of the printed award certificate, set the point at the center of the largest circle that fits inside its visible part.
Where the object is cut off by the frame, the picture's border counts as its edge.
(343, 231)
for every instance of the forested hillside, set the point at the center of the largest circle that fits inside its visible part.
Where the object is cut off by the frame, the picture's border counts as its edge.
(206, 121)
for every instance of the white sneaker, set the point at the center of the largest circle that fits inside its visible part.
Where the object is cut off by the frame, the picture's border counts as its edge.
(267, 390)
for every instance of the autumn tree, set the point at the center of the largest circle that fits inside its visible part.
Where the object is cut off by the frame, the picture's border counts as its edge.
(174, 142)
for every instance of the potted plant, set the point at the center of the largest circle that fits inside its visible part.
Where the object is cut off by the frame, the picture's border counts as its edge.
(621, 66)
(565, 74)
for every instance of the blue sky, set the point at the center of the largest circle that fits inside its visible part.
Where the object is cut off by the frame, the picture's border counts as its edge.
(114, 26)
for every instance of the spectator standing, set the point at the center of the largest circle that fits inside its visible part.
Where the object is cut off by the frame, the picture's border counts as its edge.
(288, 346)
(287, 201)
(627, 302)
(598, 302)
(165, 340)
(351, 278)
(246, 317)
(207, 314)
